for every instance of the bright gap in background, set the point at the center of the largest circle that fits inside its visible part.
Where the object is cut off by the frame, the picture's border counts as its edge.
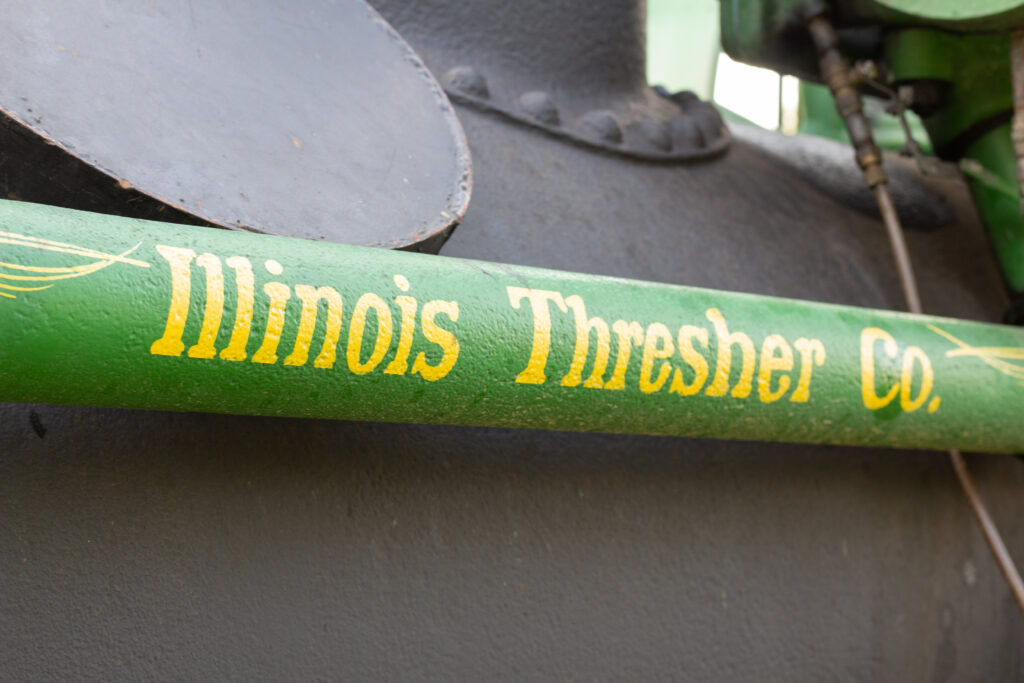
(682, 44)
(683, 53)
(751, 92)
(789, 101)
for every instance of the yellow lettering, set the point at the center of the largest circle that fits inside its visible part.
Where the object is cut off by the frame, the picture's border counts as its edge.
(307, 325)
(628, 334)
(812, 352)
(534, 372)
(723, 365)
(279, 295)
(245, 285)
(868, 337)
(914, 353)
(693, 359)
(170, 343)
(579, 356)
(656, 332)
(770, 362)
(213, 310)
(355, 333)
(400, 363)
(440, 336)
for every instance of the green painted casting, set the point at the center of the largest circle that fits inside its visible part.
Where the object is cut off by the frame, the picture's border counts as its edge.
(975, 72)
(973, 68)
(960, 15)
(106, 311)
(1000, 210)
(956, 53)
(952, 9)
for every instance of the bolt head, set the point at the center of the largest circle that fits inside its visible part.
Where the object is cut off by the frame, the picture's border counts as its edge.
(468, 81)
(539, 106)
(657, 134)
(686, 133)
(601, 125)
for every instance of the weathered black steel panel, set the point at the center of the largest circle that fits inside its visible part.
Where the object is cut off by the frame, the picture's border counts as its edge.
(174, 546)
(310, 119)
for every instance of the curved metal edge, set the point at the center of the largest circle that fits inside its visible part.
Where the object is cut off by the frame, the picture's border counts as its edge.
(177, 212)
(428, 239)
(435, 233)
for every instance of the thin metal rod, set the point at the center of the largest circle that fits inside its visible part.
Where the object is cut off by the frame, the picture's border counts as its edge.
(899, 247)
(909, 282)
(898, 243)
(988, 528)
(837, 74)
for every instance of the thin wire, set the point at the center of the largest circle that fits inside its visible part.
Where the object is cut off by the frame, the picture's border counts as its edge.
(840, 78)
(909, 282)
(899, 247)
(988, 527)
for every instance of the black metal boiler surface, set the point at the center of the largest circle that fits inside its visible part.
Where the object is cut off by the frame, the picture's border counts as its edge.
(172, 546)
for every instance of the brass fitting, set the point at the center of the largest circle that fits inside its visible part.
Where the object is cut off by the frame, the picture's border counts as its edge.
(842, 80)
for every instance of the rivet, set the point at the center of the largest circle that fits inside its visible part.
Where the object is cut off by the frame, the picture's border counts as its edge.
(601, 124)
(686, 132)
(467, 80)
(538, 105)
(708, 119)
(684, 98)
(657, 134)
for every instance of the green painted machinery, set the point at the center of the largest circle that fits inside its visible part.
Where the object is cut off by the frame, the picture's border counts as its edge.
(950, 62)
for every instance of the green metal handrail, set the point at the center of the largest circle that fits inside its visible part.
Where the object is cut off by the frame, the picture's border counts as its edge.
(105, 311)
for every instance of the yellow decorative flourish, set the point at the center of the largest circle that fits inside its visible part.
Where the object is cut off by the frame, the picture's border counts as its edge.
(997, 357)
(16, 272)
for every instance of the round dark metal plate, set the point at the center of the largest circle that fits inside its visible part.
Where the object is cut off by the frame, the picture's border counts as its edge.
(310, 119)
